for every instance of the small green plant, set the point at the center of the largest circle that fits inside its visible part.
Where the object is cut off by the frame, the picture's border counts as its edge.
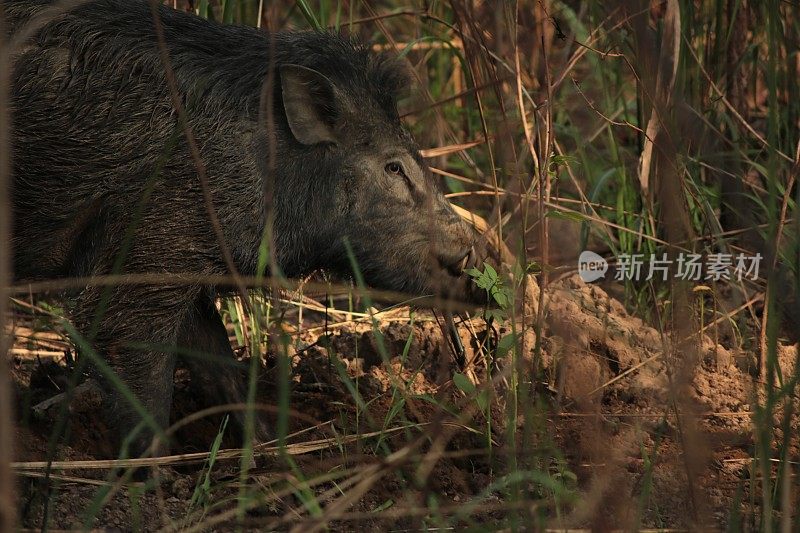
(468, 387)
(496, 289)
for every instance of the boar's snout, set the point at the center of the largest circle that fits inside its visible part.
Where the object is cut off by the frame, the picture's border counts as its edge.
(457, 264)
(467, 250)
(461, 285)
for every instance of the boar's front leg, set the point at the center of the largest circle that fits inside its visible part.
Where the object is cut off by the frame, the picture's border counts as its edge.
(135, 329)
(217, 376)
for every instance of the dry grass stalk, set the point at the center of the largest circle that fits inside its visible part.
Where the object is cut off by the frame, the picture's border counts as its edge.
(7, 500)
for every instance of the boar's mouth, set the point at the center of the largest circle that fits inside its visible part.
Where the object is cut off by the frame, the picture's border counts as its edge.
(453, 281)
(460, 267)
(437, 262)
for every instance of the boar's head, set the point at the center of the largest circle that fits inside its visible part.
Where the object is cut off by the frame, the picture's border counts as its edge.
(370, 186)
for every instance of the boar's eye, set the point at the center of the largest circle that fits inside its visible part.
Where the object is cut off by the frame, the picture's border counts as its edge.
(395, 168)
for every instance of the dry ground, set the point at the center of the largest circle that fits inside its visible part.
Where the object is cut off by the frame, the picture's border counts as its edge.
(604, 412)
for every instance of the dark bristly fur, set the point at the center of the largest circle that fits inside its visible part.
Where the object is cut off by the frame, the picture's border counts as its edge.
(96, 141)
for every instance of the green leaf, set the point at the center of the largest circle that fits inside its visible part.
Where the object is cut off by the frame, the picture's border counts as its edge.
(382, 507)
(483, 399)
(484, 282)
(533, 268)
(463, 383)
(556, 160)
(202, 9)
(395, 410)
(568, 474)
(506, 344)
(308, 14)
(474, 272)
(491, 272)
(482, 279)
(227, 12)
(497, 315)
(501, 296)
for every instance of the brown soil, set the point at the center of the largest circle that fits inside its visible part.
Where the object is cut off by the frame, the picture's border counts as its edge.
(601, 412)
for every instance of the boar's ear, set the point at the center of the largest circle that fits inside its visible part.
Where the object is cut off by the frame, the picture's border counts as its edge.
(309, 99)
